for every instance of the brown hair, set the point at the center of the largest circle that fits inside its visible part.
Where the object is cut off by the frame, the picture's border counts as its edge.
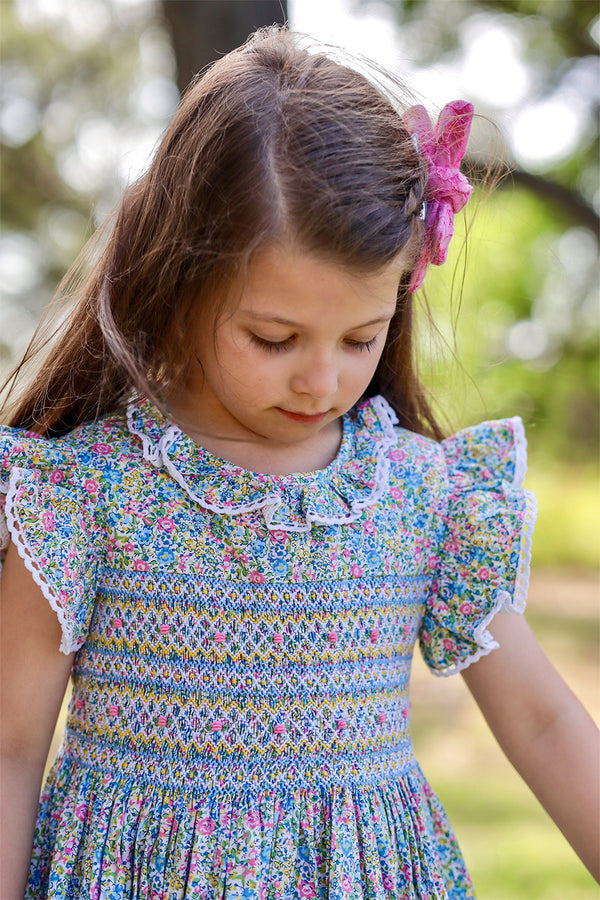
(272, 141)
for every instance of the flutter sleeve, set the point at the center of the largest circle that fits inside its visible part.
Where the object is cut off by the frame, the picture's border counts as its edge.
(48, 510)
(484, 555)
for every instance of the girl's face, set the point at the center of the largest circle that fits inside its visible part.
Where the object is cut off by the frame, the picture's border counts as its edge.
(293, 355)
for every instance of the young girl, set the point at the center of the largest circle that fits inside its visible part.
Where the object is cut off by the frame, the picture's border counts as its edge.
(230, 516)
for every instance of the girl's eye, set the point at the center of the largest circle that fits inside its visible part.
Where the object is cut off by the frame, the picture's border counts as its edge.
(270, 346)
(363, 345)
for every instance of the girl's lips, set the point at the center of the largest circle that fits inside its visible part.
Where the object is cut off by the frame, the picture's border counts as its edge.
(302, 417)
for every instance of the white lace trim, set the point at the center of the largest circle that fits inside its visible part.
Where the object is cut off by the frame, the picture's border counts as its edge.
(13, 530)
(504, 601)
(271, 503)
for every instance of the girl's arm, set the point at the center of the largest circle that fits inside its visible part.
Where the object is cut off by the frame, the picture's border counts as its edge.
(544, 731)
(34, 675)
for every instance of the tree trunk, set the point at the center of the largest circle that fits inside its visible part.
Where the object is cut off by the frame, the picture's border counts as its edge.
(203, 30)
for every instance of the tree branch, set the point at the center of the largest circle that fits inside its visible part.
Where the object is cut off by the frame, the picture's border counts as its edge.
(571, 202)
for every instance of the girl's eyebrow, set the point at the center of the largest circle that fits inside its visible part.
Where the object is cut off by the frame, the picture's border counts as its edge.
(278, 320)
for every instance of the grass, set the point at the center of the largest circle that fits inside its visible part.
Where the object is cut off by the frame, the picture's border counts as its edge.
(510, 849)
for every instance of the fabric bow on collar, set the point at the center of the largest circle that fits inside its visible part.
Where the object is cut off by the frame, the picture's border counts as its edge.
(447, 188)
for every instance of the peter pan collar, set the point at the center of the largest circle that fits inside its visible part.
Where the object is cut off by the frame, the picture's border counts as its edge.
(354, 480)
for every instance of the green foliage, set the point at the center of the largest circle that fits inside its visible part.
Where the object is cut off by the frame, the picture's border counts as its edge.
(567, 532)
(523, 324)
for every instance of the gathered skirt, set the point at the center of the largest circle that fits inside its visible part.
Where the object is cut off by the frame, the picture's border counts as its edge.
(104, 836)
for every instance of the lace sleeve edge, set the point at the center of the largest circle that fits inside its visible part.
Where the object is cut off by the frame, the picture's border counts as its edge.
(505, 602)
(15, 532)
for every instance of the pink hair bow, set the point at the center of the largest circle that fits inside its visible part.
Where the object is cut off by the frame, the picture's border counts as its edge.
(447, 188)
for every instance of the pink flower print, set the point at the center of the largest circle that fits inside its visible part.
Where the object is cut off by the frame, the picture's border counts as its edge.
(387, 883)
(483, 573)
(346, 884)
(281, 536)
(396, 493)
(356, 571)
(279, 728)
(466, 608)
(252, 819)
(117, 622)
(306, 890)
(332, 637)
(81, 811)
(370, 527)
(206, 825)
(103, 449)
(257, 577)
(140, 565)
(183, 563)
(166, 826)
(48, 520)
(452, 545)
(448, 644)
(166, 524)
(91, 486)
(56, 477)
(162, 721)
(113, 709)
(224, 816)
(397, 455)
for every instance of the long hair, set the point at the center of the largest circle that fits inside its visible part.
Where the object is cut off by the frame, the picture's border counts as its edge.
(273, 141)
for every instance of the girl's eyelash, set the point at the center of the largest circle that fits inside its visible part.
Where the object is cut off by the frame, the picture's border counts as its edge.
(363, 345)
(271, 346)
(278, 346)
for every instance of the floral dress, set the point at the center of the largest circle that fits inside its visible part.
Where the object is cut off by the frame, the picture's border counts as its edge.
(239, 724)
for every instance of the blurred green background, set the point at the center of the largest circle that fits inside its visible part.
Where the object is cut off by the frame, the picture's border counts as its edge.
(88, 86)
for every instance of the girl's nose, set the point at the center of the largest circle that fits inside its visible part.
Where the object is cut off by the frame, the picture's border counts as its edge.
(318, 376)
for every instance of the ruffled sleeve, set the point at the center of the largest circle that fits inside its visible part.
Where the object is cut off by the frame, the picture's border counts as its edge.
(48, 510)
(484, 555)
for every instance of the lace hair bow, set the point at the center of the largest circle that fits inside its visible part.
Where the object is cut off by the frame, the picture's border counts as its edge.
(447, 188)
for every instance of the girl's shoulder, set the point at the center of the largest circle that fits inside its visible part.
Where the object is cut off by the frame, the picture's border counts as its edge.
(21, 447)
(484, 455)
(51, 508)
(493, 452)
